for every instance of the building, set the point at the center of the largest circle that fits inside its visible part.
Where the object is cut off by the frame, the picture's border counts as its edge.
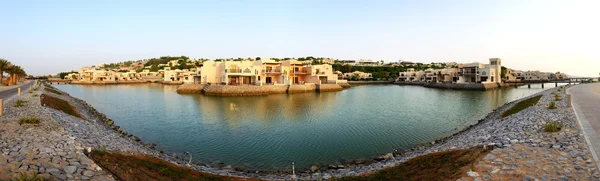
(265, 71)
(480, 73)
(358, 75)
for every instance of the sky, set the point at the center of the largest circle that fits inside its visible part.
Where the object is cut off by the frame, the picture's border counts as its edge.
(47, 37)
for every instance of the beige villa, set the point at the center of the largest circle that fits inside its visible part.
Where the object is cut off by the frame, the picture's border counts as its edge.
(266, 71)
(359, 75)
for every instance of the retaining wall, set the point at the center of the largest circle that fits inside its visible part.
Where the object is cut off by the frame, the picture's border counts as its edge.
(329, 88)
(228, 90)
(370, 82)
(190, 88)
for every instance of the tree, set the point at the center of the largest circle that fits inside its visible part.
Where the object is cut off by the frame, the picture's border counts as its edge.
(257, 58)
(4, 64)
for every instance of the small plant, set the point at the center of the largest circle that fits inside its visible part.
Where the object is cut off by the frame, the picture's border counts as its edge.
(557, 98)
(34, 95)
(100, 150)
(552, 105)
(26, 177)
(35, 89)
(29, 120)
(553, 126)
(19, 103)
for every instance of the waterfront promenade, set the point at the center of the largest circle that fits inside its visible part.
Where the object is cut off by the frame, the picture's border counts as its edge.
(586, 103)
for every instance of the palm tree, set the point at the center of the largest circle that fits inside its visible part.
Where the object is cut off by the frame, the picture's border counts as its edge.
(11, 70)
(20, 73)
(3, 65)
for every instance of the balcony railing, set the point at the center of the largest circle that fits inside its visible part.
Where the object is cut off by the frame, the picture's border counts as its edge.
(275, 71)
(233, 70)
(299, 72)
(238, 71)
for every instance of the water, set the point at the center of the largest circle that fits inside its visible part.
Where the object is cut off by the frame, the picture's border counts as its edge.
(269, 132)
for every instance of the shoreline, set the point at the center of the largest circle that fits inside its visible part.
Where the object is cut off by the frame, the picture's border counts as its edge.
(354, 167)
(465, 138)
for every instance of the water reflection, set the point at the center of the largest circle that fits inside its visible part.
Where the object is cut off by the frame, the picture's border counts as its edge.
(268, 132)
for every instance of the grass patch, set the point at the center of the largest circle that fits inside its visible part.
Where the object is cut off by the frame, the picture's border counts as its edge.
(60, 105)
(36, 89)
(144, 167)
(29, 120)
(19, 103)
(552, 105)
(34, 95)
(53, 91)
(24, 176)
(553, 126)
(521, 106)
(450, 165)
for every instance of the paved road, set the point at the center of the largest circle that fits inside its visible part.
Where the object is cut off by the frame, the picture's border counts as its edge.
(11, 92)
(586, 104)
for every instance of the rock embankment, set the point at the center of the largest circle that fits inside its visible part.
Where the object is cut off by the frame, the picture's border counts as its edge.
(45, 148)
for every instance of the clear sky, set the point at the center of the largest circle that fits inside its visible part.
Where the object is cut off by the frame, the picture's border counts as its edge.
(53, 36)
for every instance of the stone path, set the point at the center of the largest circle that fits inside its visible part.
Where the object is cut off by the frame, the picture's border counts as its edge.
(45, 148)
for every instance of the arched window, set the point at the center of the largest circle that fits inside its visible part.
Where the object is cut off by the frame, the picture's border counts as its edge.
(483, 73)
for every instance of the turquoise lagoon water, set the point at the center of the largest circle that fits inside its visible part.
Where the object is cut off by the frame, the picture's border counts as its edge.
(270, 132)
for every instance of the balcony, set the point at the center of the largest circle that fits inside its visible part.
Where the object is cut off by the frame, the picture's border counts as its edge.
(272, 71)
(299, 72)
(239, 71)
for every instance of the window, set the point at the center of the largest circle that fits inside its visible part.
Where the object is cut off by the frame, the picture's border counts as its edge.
(483, 73)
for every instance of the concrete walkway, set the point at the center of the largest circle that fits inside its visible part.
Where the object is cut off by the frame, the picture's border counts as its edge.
(586, 104)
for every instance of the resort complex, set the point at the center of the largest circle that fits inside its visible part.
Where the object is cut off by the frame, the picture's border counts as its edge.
(259, 72)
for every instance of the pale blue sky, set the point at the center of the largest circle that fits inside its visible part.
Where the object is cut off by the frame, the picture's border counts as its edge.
(52, 36)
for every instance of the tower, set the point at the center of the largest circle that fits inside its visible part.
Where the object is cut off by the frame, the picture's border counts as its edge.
(496, 63)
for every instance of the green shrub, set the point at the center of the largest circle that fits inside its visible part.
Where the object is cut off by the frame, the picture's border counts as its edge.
(35, 95)
(552, 105)
(19, 103)
(25, 177)
(521, 106)
(29, 120)
(100, 150)
(553, 126)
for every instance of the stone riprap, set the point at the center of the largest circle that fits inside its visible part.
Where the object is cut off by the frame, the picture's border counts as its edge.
(45, 148)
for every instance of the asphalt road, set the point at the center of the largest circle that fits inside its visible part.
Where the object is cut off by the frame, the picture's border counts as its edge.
(586, 104)
(11, 92)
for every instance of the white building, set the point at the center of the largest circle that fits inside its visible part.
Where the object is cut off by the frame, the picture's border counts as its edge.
(480, 73)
